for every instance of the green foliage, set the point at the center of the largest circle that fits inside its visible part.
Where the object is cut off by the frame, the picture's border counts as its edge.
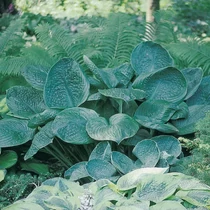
(151, 190)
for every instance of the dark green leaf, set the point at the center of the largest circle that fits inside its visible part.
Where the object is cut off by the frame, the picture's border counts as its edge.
(8, 158)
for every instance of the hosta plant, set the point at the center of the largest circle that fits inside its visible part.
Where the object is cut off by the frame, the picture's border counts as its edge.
(146, 189)
(66, 111)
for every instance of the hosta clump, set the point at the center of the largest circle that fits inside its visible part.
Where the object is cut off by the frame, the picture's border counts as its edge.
(126, 105)
(147, 188)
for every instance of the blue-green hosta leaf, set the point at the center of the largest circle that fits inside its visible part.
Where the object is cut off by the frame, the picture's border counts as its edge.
(154, 114)
(66, 85)
(109, 78)
(195, 197)
(69, 125)
(96, 97)
(14, 132)
(166, 84)
(168, 205)
(188, 125)
(119, 127)
(147, 152)
(77, 171)
(123, 94)
(181, 112)
(169, 144)
(101, 151)
(23, 205)
(8, 158)
(193, 77)
(202, 95)
(100, 169)
(35, 75)
(123, 163)
(41, 139)
(42, 118)
(156, 188)
(149, 57)
(134, 178)
(2, 174)
(25, 101)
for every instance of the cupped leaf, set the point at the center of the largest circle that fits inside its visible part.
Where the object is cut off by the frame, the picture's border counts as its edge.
(166, 84)
(182, 111)
(149, 57)
(188, 125)
(119, 127)
(8, 158)
(123, 163)
(101, 151)
(100, 169)
(14, 132)
(193, 77)
(35, 75)
(77, 171)
(133, 178)
(41, 139)
(25, 101)
(156, 188)
(168, 205)
(66, 85)
(70, 125)
(147, 152)
(123, 94)
(169, 144)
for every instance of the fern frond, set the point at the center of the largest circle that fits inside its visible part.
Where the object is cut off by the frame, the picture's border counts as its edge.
(193, 52)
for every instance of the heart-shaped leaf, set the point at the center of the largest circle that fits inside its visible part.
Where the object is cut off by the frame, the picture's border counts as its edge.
(147, 152)
(36, 76)
(167, 84)
(101, 151)
(70, 125)
(8, 158)
(100, 169)
(41, 139)
(25, 101)
(66, 85)
(119, 127)
(149, 57)
(77, 171)
(123, 163)
(123, 94)
(14, 132)
(193, 77)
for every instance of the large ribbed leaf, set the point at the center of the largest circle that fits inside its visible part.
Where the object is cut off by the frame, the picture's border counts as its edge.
(36, 76)
(25, 101)
(187, 125)
(119, 127)
(156, 188)
(154, 114)
(123, 93)
(14, 132)
(147, 152)
(66, 85)
(8, 158)
(193, 77)
(41, 139)
(149, 57)
(167, 84)
(70, 125)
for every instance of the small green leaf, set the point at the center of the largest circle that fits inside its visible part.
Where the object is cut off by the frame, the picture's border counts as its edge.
(147, 152)
(101, 151)
(116, 129)
(77, 171)
(41, 139)
(149, 57)
(25, 101)
(8, 158)
(123, 163)
(168, 205)
(69, 125)
(66, 85)
(133, 178)
(100, 169)
(14, 132)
